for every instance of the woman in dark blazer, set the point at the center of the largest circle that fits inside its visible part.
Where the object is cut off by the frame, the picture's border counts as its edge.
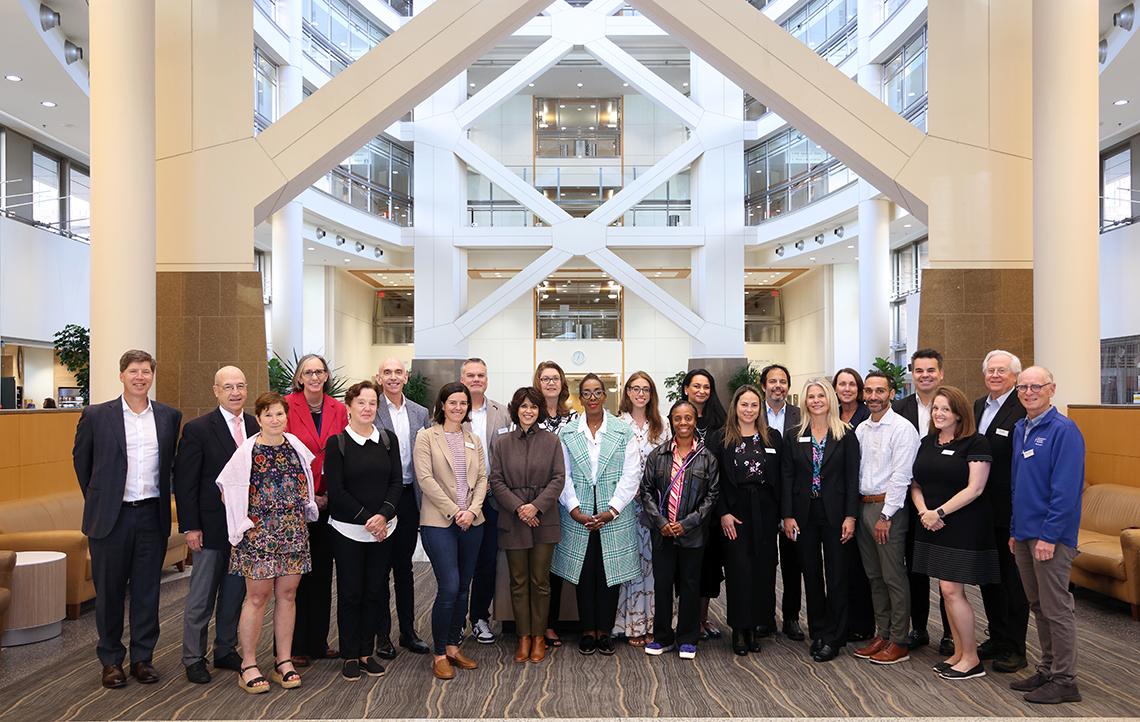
(848, 386)
(527, 475)
(748, 514)
(819, 498)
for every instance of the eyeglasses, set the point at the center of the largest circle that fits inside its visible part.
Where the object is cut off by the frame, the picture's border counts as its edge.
(997, 371)
(230, 388)
(639, 390)
(1031, 388)
(314, 373)
(593, 394)
(549, 380)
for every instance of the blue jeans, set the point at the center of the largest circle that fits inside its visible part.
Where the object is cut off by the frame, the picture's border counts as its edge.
(453, 554)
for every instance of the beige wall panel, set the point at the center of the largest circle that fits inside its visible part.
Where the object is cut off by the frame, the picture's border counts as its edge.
(958, 70)
(222, 81)
(1011, 77)
(50, 478)
(9, 483)
(47, 437)
(173, 74)
(9, 440)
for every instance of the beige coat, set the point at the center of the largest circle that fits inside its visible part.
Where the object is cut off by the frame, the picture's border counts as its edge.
(435, 477)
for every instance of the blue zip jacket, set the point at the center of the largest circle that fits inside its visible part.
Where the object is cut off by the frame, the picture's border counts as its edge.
(1048, 477)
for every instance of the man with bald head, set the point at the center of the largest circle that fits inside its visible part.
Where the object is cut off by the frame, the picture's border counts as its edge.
(1048, 478)
(404, 418)
(207, 444)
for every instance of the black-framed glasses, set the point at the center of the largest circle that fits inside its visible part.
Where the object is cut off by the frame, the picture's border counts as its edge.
(314, 373)
(593, 394)
(639, 389)
(1031, 388)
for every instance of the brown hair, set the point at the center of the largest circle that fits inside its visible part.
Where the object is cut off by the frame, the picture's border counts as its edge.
(656, 425)
(354, 391)
(135, 356)
(960, 407)
(269, 399)
(732, 435)
(531, 394)
(564, 391)
(447, 390)
(858, 382)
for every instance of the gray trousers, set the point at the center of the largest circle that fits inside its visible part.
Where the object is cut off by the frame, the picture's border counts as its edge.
(210, 583)
(885, 565)
(1047, 589)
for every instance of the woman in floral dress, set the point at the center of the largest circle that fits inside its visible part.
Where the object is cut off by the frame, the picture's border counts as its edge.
(638, 408)
(267, 488)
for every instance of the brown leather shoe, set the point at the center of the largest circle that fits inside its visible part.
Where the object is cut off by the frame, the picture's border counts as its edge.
(870, 649)
(441, 668)
(462, 661)
(144, 672)
(891, 654)
(522, 654)
(113, 676)
(538, 648)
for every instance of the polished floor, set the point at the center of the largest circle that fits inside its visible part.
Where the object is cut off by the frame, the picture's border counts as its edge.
(59, 680)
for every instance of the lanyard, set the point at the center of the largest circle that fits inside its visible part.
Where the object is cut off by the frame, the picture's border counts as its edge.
(680, 472)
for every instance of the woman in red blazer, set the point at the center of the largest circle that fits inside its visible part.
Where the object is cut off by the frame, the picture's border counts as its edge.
(314, 418)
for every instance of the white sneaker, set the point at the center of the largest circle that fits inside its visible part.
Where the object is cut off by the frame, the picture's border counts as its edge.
(482, 631)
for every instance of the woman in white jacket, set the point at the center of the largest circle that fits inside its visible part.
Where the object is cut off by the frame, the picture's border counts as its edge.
(267, 487)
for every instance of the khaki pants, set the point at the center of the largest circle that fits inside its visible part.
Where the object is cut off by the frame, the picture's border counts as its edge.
(885, 565)
(530, 587)
(1047, 589)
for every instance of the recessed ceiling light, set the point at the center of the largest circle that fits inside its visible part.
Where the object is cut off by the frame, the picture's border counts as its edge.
(472, 84)
(625, 85)
(1122, 101)
(395, 172)
(311, 248)
(561, 106)
(579, 85)
(47, 103)
(591, 127)
(530, 85)
(906, 225)
(346, 260)
(13, 78)
(685, 84)
(811, 258)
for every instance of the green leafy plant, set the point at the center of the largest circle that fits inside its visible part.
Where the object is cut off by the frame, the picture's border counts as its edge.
(673, 386)
(745, 375)
(281, 372)
(417, 388)
(894, 371)
(73, 345)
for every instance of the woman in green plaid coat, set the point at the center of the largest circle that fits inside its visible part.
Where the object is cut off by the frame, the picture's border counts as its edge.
(598, 551)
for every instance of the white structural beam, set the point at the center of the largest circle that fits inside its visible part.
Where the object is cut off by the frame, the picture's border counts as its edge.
(500, 238)
(818, 99)
(522, 282)
(634, 192)
(605, 7)
(648, 83)
(513, 80)
(372, 93)
(635, 281)
(655, 237)
(519, 189)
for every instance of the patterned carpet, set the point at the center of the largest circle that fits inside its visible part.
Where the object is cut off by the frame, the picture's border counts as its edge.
(59, 680)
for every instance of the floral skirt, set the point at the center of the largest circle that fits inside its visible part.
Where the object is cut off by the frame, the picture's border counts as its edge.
(635, 600)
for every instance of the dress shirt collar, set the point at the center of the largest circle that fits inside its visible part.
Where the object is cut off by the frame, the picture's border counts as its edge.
(393, 407)
(888, 419)
(585, 429)
(127, 409)
(229, 417)
(374, 436)
(999, 401)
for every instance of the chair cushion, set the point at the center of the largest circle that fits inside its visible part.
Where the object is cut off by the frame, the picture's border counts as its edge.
(1110, 508)
(42, 513)
(1100, 554)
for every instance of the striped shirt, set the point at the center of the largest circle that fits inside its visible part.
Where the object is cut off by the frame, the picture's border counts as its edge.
(459, 460)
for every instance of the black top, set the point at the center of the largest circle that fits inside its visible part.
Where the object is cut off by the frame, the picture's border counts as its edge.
(750, 463)
(862, 413)
(839, 478)
(700, 486)
(941, 472)
(1000, 435)
(366, 481)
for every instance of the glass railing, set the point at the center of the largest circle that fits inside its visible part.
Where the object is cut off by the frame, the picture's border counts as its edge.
(824, 179)
(559, 146)
(366, 196)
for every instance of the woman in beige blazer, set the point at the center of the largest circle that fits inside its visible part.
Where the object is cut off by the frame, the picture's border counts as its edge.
(452, 477)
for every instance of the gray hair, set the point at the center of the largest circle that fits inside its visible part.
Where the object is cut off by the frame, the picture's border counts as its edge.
(1042, 369)
(1014, 361)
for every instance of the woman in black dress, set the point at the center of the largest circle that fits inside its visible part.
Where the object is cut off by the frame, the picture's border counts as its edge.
(748, 511)
(955, 544)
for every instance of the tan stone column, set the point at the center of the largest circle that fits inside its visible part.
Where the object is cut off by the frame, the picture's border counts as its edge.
(1066, 310)
(122, 187)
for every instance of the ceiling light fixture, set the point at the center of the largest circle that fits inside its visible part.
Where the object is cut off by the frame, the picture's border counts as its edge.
(819, 238)
(906, 225)
(1123, 19)
(530, 85)
(359, 246)
(340, 240)
(779, 251)
(48, 18)
(625, 85)
(471, 85)
(685, 84)
(311, 248)
(378, 252)
(579, 85)
(47, 103)
(800, 245)
(13, 78)
(320, 232)
(1122, 101)
(839, 232)
(71, 52)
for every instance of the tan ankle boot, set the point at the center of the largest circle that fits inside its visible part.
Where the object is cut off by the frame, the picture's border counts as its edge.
(538, 648)
(522, 654)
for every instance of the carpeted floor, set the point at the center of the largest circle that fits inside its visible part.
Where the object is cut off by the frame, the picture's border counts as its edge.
(59, 680)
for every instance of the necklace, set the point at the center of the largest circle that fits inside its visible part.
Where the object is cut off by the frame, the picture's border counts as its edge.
(595, 426)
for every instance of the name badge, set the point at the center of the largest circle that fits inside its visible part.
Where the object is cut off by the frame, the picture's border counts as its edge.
(769, 451)
(947, 452)
(1027, 453)
(1001, 432)
(469, 445)
(502, 431)
(805, 439)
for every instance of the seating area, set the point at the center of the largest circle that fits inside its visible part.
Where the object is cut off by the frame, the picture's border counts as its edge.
(7, 564)
(1109, 543)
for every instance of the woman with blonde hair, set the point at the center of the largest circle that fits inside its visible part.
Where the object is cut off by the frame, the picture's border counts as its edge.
(820, 499)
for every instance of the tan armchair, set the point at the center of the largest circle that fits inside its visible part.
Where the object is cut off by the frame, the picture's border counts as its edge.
(1109, 543)
(7, 564)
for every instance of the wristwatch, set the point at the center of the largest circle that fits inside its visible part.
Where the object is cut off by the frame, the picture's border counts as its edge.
(883, 517)
(614, 512)
(940, 512)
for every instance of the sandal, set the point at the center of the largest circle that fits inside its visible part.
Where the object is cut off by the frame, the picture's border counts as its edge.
(637, 641)
(257, 685)
(554, 641)
(289, 680)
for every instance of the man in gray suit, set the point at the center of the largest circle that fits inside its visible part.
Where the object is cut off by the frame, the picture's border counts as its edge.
(488, 420)
(403, 418)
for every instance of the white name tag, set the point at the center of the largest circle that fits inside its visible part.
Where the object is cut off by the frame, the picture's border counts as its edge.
(1001, 432)
(503, 431)
(947, 452)
(1027, 453)
(769, 451)
(469, 445)
(805, 439)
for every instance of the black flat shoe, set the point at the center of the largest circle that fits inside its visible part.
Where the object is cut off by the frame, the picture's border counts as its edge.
(762, 631)
(952, 674)
(711, 630)
(385, 650)
(197, 673)
(914, 640)
(825, 653)
(587, 644)
(989, 649)
(815, 645)
(753, 643)
(606, 645)
(793, 630)
(946, 647)
(415, 645)
(739, 642)
(940, 667)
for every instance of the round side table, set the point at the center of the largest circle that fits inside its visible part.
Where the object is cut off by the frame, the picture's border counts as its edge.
(39, 598)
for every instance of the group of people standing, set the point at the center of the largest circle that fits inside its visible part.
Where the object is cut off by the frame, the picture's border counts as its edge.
(862, 499)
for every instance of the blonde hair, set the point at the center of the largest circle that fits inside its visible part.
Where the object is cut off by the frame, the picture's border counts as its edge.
(835, 424)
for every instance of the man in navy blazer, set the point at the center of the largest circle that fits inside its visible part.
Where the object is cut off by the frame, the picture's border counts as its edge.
(123, 454)
(403, 418)
(207, 444)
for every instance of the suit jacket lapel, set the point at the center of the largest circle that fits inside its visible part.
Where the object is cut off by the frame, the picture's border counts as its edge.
(222, 431)
(441, 440)
(385, 417)
(608, 445)
(300, 408)
(829, 449)
(1006, 414)
(119, 428)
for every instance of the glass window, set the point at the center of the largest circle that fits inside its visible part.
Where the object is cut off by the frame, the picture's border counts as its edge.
(45, 188)
(264, 86)
(393, 316)
(1116, 188)
(763, 315)
(904, 76)
(79, 202)
(579, 309)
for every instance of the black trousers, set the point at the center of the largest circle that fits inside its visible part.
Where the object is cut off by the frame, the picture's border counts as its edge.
(361, 579)
(555, 601)
(827, 607)
(712, 571)
(129, 557)
(1007, 609)
(791, 574)
(750, 570)
(597, 602)
(862, 612)
(314, 593)
(403, 547)
(483, 583)
(920, 583)
(674, 564)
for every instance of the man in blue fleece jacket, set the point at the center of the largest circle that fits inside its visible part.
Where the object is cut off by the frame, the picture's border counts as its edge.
(1047, 478)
